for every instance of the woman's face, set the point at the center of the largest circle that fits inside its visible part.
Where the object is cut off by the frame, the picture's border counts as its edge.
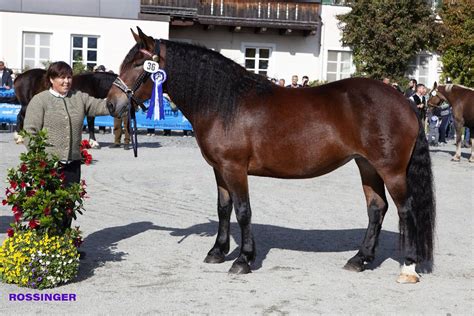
(61, 84)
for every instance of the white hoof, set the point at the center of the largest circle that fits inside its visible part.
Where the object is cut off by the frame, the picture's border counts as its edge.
(94, 144)
(408, 275)
(18, 139)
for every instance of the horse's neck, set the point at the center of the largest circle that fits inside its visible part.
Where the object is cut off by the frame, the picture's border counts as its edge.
(451, 93)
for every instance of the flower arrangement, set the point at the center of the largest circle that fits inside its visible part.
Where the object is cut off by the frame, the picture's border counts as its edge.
(86, 158)
(40, 204)
(36, 260)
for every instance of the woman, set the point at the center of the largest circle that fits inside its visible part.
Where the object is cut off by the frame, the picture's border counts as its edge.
(62, 111)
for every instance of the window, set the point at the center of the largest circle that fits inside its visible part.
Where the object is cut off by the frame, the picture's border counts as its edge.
(419, 68)
(84, 50)
(257, 59)
(36, 50)
(339, 65)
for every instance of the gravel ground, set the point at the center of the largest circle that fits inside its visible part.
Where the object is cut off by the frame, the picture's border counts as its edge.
(151, 220)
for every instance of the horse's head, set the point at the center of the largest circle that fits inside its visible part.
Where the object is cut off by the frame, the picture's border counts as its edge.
(134, 83)
(436, 97)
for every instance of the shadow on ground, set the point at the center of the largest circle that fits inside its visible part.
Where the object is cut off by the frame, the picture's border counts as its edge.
(101, 246)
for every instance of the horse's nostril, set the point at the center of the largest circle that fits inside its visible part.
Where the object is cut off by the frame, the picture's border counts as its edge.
(110, 107)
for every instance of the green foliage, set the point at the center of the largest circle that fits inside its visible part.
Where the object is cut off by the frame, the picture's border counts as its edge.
(385, 35)
(37, 193)
(316, 83)
(457, 46)
(78, 67)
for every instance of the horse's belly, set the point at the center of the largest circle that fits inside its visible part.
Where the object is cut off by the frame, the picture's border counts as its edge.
(294, 165)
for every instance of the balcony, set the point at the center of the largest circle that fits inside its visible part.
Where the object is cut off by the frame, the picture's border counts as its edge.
(303, 15)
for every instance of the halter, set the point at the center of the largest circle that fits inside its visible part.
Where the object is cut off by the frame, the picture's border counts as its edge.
(119, 83)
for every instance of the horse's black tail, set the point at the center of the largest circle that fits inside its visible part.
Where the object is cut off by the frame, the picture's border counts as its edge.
(421, 204)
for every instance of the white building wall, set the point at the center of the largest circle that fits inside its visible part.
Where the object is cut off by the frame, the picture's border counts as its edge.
(115, 38)
(291, 54)
(331, 35)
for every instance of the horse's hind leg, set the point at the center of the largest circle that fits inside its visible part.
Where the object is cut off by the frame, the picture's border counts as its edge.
(224, 210)
(471, 159)
(377, 206)
(458, 125)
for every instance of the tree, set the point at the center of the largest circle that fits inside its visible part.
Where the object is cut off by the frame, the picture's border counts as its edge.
(385, 35)
(457, 45)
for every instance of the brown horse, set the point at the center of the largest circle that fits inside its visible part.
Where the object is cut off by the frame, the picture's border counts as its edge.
(461, 100)
(33, 81)
(246, 125)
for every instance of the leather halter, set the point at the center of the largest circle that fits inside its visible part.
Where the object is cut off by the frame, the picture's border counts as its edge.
(119, 83)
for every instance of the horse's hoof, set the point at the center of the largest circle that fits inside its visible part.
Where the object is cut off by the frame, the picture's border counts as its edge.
(471, 159)
(214, 258)
(94, 144)
(349, 266)
(408, 274)
(456, 159)
(240, 268)
(408, 278)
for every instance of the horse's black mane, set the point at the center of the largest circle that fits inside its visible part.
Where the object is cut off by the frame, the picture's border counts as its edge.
(203, 81)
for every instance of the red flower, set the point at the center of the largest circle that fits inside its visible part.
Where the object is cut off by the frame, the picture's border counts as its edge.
(23, 168)
(18, 216)
(47, 211)
(83, 183)
(31, 193)
(33, 224)
(53, 172)
(4, 202)
(69, 212)
(10, 232)
(43, 164)
(85, 144)
(22, 185)
(42, 182)
(15, 209)
(62, 176)
(13, 184)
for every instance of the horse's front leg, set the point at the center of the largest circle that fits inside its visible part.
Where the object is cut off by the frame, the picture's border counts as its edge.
(235, 177)
(224, 210)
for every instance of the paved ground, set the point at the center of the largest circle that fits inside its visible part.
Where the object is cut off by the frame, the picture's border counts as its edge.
(151, 220)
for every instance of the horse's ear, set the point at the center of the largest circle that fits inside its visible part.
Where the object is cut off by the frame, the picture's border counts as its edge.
(435, 85)
(135, 36)
(147, 40)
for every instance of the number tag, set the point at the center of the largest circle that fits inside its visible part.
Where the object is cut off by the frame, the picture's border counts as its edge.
(151, 66)
(433, 93)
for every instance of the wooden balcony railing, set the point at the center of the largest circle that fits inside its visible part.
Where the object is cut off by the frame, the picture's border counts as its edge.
(298, 15)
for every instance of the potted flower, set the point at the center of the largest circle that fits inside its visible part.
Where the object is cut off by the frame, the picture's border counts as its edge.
(39, 251)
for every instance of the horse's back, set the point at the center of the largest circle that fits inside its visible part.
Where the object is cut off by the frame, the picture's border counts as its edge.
(28, 84)
(312, 131)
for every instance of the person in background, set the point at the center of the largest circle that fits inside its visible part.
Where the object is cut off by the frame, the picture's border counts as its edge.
(411, 88)
(386, 80)
(294, 82)
(418, 100)
(281, 82)
(6, 80)
(61, 112)
(305, 82)
(118, 132)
